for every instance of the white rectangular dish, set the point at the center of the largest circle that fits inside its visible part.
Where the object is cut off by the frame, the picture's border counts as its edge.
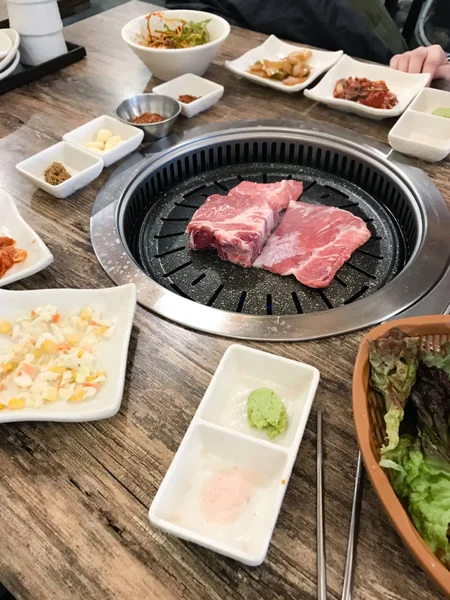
(275, 49)
(227, 481)
(421, 135)
(13, 226)
(82, 165)
(405, 86)
(429, 99)
(117, 304)
(131, 138)
(208, 93)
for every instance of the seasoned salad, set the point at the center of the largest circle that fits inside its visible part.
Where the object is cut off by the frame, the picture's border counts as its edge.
(47, 357)
(175, 33)
(415, 384)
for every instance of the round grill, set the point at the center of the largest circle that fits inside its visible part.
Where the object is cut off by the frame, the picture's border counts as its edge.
(154, 200)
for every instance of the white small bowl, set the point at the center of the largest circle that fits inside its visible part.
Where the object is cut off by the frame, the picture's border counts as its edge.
(15, 39)
(405, 86)
(275, 49)
(429, 99)
(5, 44)
(83, 166)
(167, 64)
(131, 137)
(208, 92)
(421, 135)
(12, 225)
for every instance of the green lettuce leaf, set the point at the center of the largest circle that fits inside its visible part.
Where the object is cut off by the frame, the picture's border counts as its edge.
(394, 359)
(441, 359)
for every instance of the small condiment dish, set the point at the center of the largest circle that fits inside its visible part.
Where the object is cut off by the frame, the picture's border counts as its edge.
(421, 135)
(429, 99)
(207, 93)
(226, 484)
(137, 105)
(82, 165)
(131, 138)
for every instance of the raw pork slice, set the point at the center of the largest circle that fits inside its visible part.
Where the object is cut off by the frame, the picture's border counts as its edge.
(238, 225)
(312, 243)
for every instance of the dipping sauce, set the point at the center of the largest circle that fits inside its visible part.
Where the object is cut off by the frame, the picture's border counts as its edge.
(442, 111)
(187, 98)
(375, 94)
(147, 118)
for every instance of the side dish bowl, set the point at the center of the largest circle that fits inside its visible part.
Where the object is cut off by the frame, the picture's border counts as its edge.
(369, 410)
(150, 103)
(166, 63)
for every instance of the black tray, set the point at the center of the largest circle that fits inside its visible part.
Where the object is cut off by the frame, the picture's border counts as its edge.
(22, 74)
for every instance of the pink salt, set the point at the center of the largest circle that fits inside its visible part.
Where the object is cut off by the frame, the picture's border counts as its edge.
(226, 494)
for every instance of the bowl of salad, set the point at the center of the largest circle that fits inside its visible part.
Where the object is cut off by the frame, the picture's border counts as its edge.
(401, 406)
(173, 42)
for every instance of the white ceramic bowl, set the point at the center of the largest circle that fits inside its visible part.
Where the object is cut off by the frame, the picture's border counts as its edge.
(5, 44)
(168, 64)
(208, 93)
(12, 225)
(421, 135)
(405, 86)
(15, 39)
(275, 49)
(118, 304)
(37, 49)
(83, 166)
(12, 66)
(219, 439)
(131, 137)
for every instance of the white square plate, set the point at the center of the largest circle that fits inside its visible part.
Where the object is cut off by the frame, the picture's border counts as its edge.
(405, 86)
(12, 225)
(117, 304)
(275, 49)
(208, 92)
(82, 165)
(219, 444)
(131, 137)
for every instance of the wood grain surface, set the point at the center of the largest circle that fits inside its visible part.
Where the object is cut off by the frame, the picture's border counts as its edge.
(74, 497)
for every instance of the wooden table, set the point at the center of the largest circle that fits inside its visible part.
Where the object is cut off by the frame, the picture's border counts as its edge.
(74, 497)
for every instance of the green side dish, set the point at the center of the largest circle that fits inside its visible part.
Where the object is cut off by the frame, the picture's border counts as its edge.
(442, 111)
(266, 411)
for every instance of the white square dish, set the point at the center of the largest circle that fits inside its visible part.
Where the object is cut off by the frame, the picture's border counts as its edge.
(82, 165)
(405, 86)
(12, 225)
(421, 135)
(131, 137)
(226, 484)
(208, 92)
(275, 49)
(117, 304)
(429, 99)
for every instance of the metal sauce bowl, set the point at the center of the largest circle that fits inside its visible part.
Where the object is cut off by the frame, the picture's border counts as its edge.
(152, 103)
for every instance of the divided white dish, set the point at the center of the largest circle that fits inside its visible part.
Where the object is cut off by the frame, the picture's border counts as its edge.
(421, 135)
(429, 99)
(12, 225)
(219, 440)
(209, 93)
(131, 137)
(82, 165)
(275, 49)
(405, 86)
(116, 303)
(15, 40)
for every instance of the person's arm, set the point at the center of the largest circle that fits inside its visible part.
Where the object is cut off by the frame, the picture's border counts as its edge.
(431, 59)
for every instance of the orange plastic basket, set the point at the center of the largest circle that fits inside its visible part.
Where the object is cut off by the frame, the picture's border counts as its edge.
(368, 411)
